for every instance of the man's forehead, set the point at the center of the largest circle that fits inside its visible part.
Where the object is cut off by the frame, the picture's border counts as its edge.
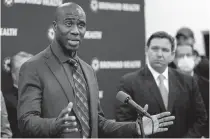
(160, 41)
(73, 11)
(184, 49)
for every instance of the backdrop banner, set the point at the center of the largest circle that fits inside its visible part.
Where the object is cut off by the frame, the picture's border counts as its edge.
(114, 42)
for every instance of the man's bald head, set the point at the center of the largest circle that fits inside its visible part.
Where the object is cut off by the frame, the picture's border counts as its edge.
(68, 9)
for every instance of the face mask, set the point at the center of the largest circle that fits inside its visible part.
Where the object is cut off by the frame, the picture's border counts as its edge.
(186, 64)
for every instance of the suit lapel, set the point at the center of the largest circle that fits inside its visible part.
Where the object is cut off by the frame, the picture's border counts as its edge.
(152, 87)
(59, 73)
(173, 90)
(93, 94)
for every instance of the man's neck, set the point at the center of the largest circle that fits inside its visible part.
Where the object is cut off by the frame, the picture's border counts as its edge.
(158, 70)
(72, 54)
(156, 73)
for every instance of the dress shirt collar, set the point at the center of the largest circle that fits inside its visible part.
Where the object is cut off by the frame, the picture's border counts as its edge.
(192, 73)
(15, 85)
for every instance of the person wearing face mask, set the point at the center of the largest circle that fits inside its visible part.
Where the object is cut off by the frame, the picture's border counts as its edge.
(185, 61)
(185, 36)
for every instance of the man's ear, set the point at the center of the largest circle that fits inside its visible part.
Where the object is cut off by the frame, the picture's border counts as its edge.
(54, 26)
(172, 56)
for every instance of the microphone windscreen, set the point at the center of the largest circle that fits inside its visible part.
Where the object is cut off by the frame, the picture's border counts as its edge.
(122, 96)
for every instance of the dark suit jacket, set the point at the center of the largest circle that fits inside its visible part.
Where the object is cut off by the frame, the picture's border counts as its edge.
(203, 84)
(44, 90)
(185, 101)
(202, 69)
(5, 126)
(11, 99)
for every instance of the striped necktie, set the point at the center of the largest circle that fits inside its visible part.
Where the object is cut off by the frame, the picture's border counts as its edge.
(163, 90)
(81, 98)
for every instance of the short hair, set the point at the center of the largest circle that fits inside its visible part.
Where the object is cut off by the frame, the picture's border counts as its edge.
(162, 34)
(13, 63)
(185, 32)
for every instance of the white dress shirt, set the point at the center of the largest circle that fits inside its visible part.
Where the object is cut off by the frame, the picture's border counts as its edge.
(156, 75)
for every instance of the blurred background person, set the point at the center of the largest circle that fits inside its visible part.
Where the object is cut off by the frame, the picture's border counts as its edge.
(5, 126)
(11, 96)
(186, 36)
(197, 57)
(185, 61)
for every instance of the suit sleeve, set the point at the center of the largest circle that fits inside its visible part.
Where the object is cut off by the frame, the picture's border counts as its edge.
(111, 129)
(123, 111)
(30, 122)
(200, 115)
(5, 126)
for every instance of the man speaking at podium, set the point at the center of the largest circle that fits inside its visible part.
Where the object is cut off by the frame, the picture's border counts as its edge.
(58, 91)
(164, 89)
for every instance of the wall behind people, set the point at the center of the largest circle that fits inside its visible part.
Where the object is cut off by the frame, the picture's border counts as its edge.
(170, 15)
(113, 45)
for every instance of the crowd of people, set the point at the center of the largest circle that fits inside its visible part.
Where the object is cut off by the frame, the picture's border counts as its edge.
(173, 86)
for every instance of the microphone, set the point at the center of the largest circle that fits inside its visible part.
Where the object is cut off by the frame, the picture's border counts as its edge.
(125, 98)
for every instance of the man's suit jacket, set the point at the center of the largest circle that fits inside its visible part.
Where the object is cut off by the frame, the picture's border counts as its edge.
(202, 69)
(44, 90)
(203, 84)
(185, 101)
(11, 99)
(5, 126)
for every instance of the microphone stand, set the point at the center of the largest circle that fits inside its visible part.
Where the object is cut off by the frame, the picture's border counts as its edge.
(140, 122)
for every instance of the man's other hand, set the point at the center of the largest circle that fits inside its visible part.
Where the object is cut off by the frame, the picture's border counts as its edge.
(65, 123)
(161, 122)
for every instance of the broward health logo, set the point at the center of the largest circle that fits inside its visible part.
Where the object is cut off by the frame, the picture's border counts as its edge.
(8, 3)
(96, 64)
(96, 5)
(54, 3)
(50, 33)
(8, 31)
(89, 35)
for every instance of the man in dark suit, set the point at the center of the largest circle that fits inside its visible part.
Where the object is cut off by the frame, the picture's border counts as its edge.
(164, 89)
(185, 63)
(11, 95)
(58, 91)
